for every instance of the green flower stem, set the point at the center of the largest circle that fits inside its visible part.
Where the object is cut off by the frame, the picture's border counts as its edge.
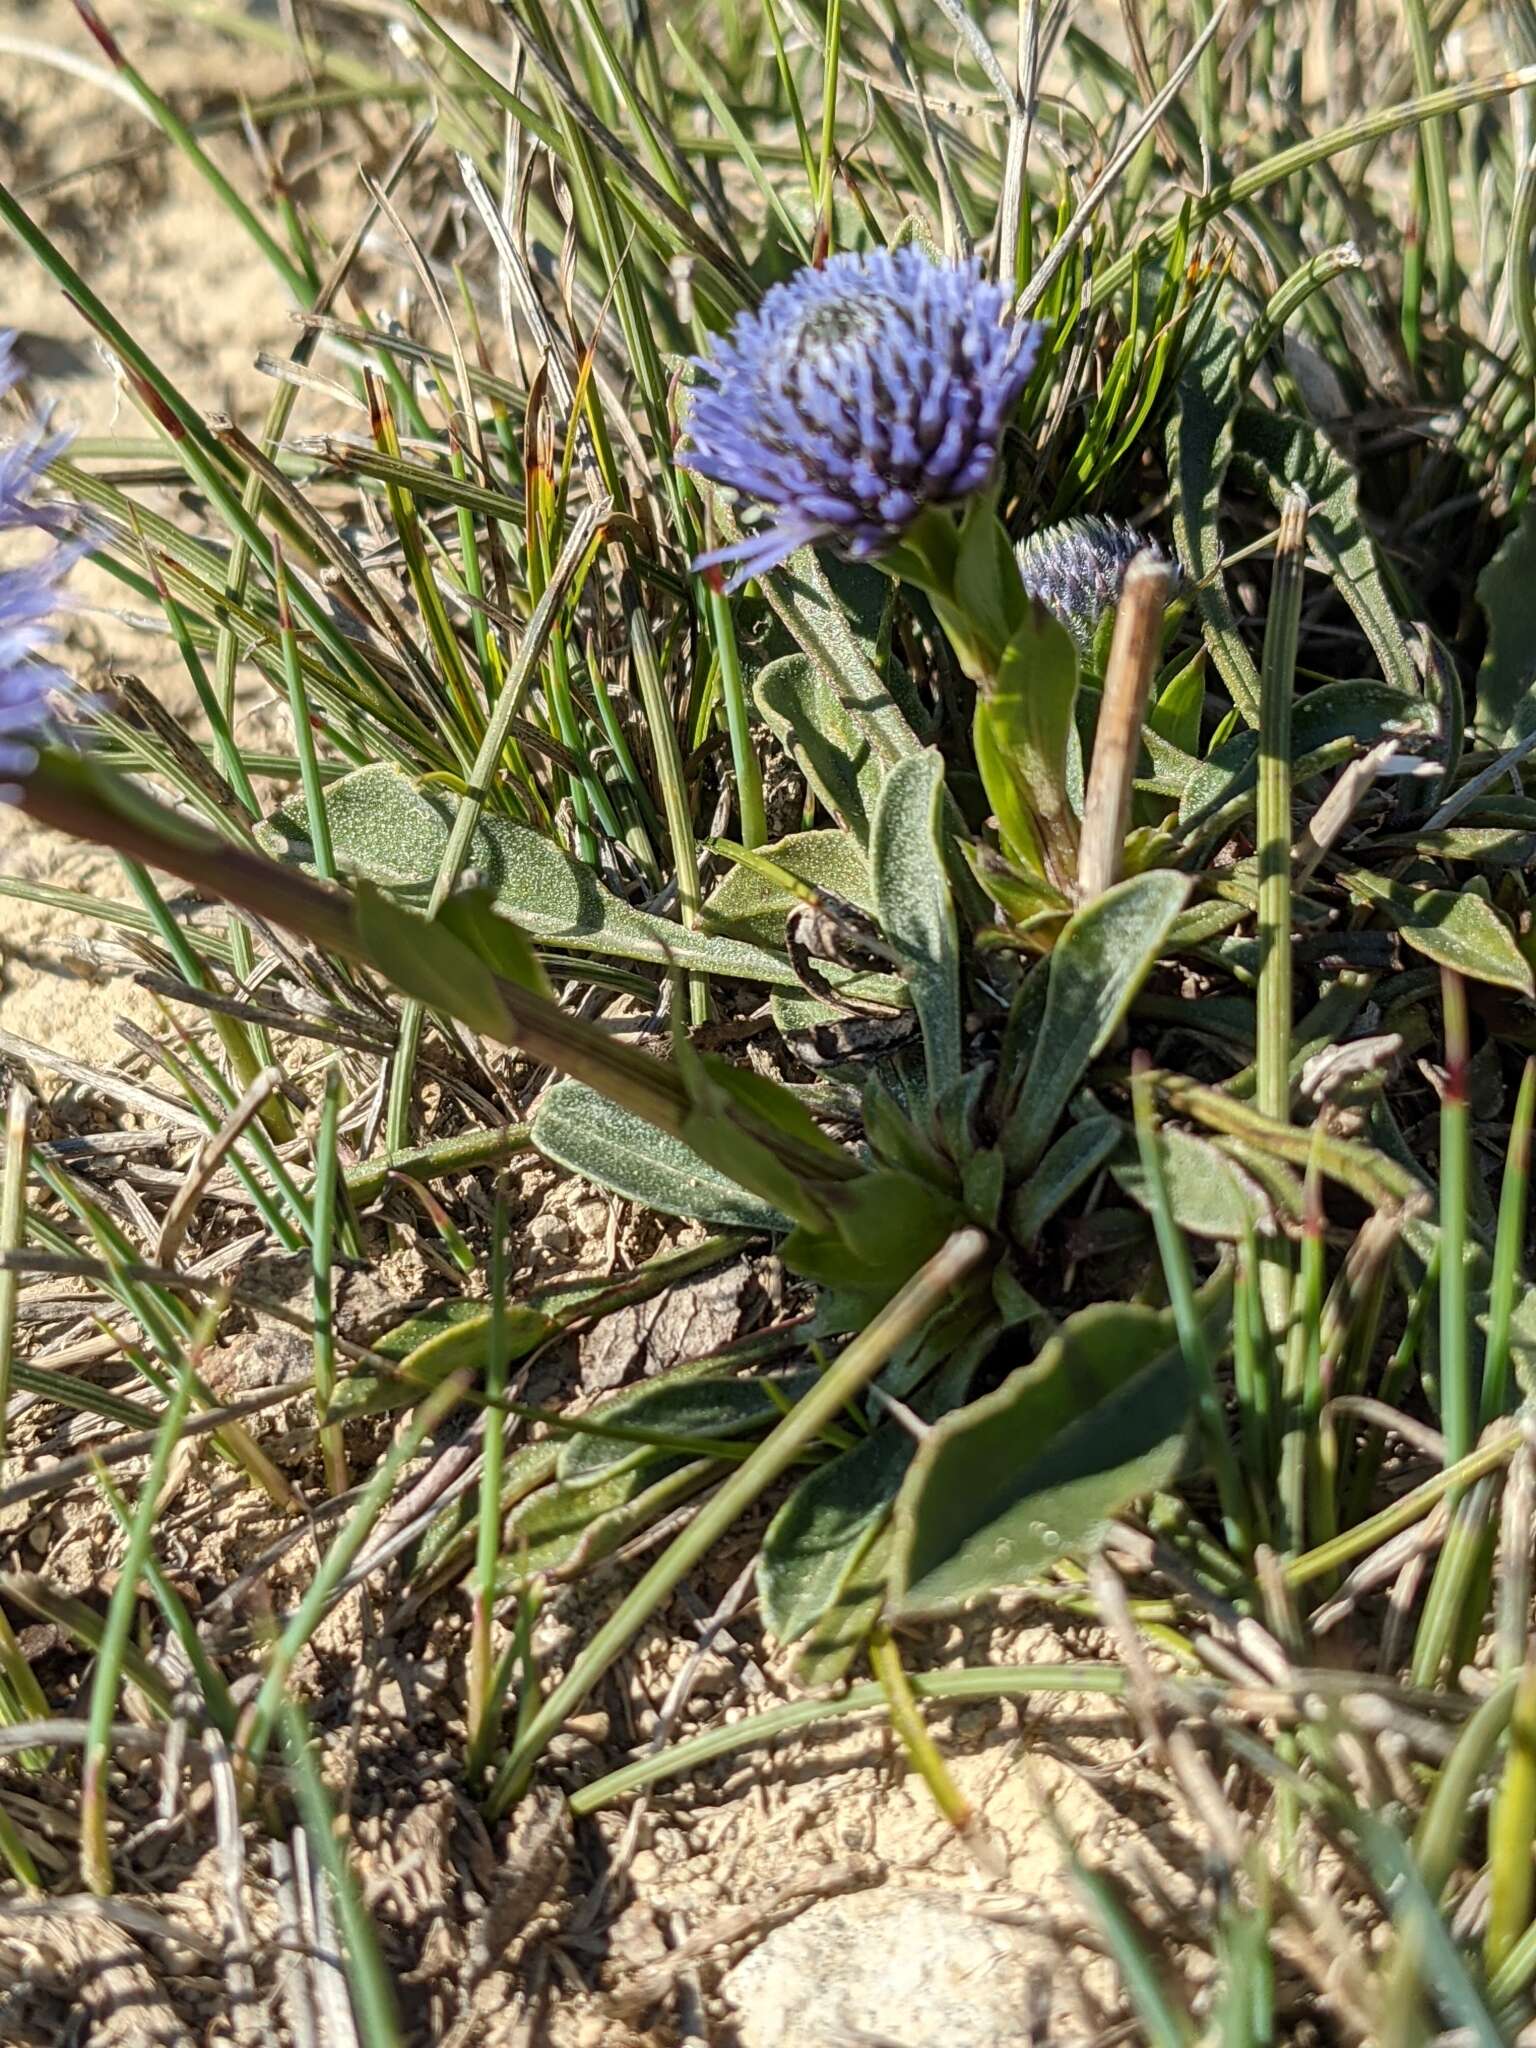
(899, 1321)
(831, 52)
(1368, 1535)
(1293, 293)
(1456, 1409)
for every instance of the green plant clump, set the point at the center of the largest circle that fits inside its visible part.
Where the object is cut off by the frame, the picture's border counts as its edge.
(920, 655)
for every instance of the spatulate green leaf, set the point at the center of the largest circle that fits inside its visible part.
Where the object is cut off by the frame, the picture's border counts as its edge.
(1362, 710)
(1099, 962)
(749, 905)
(1454, 929)
(1002, 1489)
(1209, 1193)
(916, 912)
(816, 1540)
(392, 833)
(834, 753)
(584, 1132)
(690, 1409)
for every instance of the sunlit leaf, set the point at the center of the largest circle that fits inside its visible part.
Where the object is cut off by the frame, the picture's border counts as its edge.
(586, 1133)
(388, 831)
(1003, 1489)
(916, 912)
(1099, 962)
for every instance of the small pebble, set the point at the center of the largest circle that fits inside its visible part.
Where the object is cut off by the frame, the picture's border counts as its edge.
(550, 1233)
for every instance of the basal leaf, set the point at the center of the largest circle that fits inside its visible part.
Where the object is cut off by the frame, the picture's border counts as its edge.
(824, 1654)
(836, 755)
(886, 1224)
(563, 1529)
(916, 911)
(1078, 1154)
(1209, 1194)
(1458, 930)
(816, 1540)
(428, 1347)
(583, 1131)
(1099, 962)
(1362, 710)
(1025, 900)
(700, 1408)
(1506, 590)
(388, 831)
(749, 905)
(1002, 1489)
(804, 600)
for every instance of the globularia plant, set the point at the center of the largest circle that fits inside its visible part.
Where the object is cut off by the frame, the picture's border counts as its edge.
(1122, 981)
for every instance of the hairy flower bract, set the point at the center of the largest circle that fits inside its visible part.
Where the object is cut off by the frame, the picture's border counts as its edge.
(854, 397)
(1077, 569)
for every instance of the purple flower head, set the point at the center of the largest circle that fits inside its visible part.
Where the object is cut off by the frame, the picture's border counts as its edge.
(30, 596)
(853, 397)
(1077, 569)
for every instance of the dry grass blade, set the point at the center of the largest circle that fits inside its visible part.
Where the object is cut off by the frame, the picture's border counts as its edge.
(1333, 814)
(44, 1059)
(206, 1162)
(1122, 711)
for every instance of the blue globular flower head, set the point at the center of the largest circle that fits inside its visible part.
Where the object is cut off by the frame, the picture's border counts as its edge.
(30, 592)
(1077, 569)
(854, 397)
